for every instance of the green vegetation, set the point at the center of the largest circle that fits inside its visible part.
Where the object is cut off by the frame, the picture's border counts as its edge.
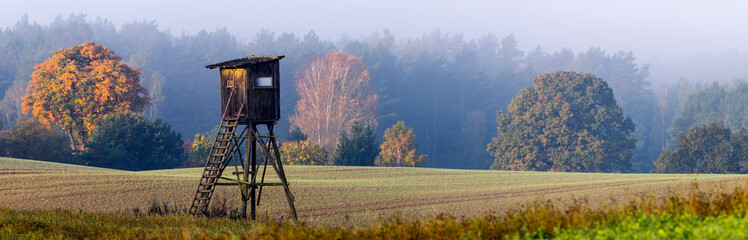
(32, 140)
(445, 86)
(567, 122)
(296, 135)
(666, 226)
(710, 148)
(711, 103)
(356, 147)
(10, 164)
(694, 213)
(129, 141)
(333, 195)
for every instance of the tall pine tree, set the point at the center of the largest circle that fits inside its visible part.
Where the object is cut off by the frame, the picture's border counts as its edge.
(357, 148)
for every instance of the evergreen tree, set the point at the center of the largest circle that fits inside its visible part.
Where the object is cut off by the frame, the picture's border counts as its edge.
(296, 135)
(357, 148)
(566, 122)
(129, 141)
(726, 103)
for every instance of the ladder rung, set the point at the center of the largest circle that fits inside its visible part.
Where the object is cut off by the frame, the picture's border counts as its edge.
(212, 169)
(215, 162)
(204, 191)
(221, 147)
(218, 155)
(211, 166)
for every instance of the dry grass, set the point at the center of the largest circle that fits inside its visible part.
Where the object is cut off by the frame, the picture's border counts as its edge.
(334, 195)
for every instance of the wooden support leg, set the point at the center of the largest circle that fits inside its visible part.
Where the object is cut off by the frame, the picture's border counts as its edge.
(253, 167)
(247, 194)
(282, 174)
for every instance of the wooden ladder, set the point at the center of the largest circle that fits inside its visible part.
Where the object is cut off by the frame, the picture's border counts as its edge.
(222, 152)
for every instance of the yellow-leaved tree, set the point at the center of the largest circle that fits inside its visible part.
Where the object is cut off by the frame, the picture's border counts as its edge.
(200, 149)
(399, 148)
(302, 153)
(76, 87)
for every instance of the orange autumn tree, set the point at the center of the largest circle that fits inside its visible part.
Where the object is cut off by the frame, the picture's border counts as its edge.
(76, 87)
(334, 93)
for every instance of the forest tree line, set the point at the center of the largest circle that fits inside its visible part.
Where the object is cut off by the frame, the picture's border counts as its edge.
(446, 87)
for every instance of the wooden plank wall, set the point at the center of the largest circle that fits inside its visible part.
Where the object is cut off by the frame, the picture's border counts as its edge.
(239, 76)
(264, 103)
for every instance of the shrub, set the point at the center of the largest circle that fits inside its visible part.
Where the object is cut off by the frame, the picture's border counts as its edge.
(30, 139)
(302, 153)
(129, 141)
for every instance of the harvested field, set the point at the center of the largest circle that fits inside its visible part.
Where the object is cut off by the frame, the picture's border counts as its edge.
(331, 195)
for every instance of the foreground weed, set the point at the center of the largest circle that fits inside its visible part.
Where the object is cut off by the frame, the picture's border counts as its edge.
(693, 214)
(666, 226)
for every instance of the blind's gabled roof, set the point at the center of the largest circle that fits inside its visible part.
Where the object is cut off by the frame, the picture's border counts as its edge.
(245, 61)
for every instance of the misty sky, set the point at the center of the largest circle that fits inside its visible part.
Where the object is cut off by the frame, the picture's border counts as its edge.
(654, 30)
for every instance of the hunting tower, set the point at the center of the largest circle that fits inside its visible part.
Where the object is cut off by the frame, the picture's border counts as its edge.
(250, 97)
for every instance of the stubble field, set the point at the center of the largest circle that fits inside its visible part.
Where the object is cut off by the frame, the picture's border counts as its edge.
(332, 196)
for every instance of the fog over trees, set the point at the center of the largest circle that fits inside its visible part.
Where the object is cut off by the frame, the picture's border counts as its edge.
(446, 86)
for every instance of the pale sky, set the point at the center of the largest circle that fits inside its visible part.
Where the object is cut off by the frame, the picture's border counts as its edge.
(654, 30)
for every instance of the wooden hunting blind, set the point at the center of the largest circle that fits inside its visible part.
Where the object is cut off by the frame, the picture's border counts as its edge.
(250, 88)
(250, 97)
